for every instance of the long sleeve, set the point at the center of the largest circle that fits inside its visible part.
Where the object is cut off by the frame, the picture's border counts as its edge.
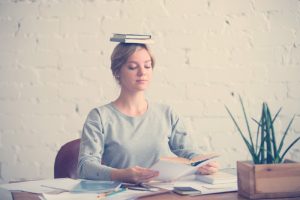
(180, 140)
(91, 149)
(112, 140)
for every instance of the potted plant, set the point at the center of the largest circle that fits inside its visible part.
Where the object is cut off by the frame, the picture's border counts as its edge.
(268, 175)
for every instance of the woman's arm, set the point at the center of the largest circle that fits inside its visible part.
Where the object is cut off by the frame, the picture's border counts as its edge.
(181, 144)
(91, 149)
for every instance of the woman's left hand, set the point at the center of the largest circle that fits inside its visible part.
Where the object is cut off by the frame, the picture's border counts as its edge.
(209, 168)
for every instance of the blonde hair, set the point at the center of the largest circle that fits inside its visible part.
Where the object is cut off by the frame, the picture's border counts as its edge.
(122, 52)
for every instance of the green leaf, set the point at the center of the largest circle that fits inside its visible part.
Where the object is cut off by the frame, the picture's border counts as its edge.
(261, 151)
(276, 115)
(257, 135)
(258, 123)
(275, 152)
(246, 120)
(284, 135)
(262, 138)
(268, 133)
(249, 146)
(290, 146)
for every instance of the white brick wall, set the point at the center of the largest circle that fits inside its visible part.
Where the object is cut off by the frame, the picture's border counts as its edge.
(54, 68)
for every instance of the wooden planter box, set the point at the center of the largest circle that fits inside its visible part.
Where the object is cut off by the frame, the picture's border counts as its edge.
(268, 180)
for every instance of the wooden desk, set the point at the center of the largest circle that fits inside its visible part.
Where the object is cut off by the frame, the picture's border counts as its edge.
(167, 196)
(223, 196)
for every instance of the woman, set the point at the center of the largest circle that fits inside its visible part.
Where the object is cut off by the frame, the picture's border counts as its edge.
(122, 139)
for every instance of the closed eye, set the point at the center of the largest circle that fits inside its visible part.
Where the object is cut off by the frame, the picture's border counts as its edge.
(132, 67)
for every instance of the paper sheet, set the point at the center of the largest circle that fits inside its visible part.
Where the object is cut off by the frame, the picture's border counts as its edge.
(81, 185)
(205, 188)
(32, 186)
(171, 171)
(68, 195)
(65, 184)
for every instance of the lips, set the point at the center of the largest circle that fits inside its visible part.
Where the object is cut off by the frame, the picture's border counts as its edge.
(141, 81)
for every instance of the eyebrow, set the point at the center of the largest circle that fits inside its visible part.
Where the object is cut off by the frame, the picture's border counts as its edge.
(147, 61)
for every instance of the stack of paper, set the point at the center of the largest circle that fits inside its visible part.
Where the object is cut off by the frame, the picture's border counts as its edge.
(217, 178)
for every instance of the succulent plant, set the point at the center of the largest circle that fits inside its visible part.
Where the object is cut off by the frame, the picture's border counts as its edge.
(264, 149)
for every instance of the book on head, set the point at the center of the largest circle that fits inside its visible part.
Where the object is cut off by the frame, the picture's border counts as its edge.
(131, 38)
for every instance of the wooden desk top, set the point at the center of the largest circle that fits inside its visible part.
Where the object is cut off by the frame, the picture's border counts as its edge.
(167, 196)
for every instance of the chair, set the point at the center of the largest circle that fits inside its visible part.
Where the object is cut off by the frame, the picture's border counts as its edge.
(66, 160)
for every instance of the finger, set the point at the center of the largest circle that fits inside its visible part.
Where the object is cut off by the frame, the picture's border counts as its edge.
(207, 170)
(149, 174)
(204, 172)
(147, 179)
(146, 171)
(144, 174)
(213, 164)
(205, 156)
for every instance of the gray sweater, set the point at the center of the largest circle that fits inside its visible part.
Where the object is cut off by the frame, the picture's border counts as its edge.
(111, 139)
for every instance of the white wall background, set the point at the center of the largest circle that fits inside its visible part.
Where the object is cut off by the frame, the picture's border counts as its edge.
(54, 68)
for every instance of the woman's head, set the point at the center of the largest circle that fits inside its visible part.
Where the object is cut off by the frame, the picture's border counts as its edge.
(122, 53)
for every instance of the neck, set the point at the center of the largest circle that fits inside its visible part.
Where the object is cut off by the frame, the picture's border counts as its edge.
(131, 104)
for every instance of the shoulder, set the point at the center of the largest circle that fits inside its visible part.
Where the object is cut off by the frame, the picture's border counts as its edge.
(163, 108)
(97, 112)
(159, 106)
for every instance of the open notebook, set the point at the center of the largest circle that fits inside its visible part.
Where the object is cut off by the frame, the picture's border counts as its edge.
(172, 169)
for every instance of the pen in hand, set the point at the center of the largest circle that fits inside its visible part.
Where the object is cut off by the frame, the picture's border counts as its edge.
(202, 161)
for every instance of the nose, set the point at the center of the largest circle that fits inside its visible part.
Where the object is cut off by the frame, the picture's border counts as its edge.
(141, 71)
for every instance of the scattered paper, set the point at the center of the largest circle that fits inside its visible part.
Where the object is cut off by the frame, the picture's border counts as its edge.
(205, 188)
(68, 195)
(171, 170)
(81, 185)
(32, 186)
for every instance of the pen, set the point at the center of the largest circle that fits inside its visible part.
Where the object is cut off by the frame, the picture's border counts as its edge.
(107, 194)
(202, 161)
(143, 187)
(138, 188)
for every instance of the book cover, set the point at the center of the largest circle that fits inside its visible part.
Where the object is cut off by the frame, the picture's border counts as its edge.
(132, 40)
(82, 185)
(95, 186)
(131, 36)
(186, 190)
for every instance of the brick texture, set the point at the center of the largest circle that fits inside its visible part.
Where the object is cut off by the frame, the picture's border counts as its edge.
(55, 58)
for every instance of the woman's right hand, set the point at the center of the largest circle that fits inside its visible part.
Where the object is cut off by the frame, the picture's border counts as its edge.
(134, 174)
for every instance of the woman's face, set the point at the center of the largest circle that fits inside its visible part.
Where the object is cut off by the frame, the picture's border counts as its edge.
(136, 73)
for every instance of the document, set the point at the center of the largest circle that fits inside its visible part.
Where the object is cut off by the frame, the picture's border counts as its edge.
(62, 185)
(176, 168)
(33, 186)
(217, 178)
(68, 195)
(204, 188)
(81, 185)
